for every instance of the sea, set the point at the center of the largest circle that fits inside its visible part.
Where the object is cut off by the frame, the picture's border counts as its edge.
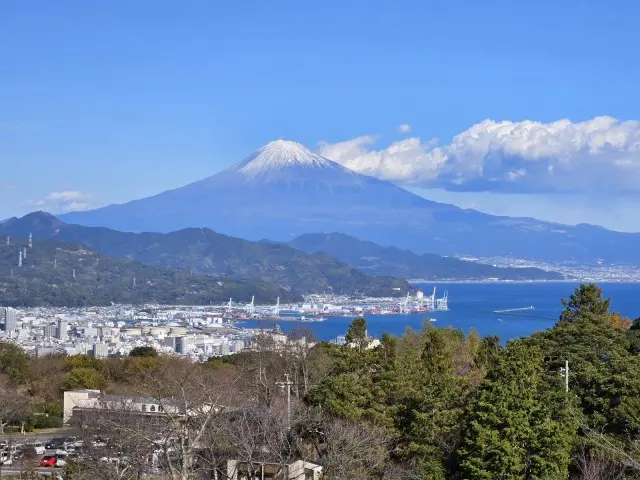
(472, 306)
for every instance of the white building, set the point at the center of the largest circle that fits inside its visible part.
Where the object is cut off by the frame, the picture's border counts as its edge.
(10, 320)
(100, 350)
(296, 470)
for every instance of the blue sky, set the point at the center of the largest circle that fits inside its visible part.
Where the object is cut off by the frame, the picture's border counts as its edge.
(104, 102)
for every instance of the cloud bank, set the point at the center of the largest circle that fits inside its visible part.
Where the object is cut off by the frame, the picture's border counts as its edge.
(64, 201)
(601, 155)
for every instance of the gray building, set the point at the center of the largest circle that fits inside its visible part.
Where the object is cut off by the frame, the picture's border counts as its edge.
(183, 344)
(61, 331)
(50, 330)
(100, 350)
(10, 323)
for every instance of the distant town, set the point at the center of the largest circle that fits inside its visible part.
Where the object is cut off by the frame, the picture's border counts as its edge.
(599, 272)
(197, 332)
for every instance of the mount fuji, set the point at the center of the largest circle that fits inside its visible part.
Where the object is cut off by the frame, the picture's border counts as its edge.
(284, 190)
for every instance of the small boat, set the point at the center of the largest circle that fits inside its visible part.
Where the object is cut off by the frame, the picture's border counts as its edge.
(432, 319)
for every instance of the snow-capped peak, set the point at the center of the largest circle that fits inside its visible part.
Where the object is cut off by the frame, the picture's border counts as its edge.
(281, 154)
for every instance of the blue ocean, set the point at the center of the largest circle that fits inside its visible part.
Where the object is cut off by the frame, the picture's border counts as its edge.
(471, 305)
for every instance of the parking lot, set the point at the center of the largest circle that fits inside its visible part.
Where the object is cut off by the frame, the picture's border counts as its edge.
(48, 453)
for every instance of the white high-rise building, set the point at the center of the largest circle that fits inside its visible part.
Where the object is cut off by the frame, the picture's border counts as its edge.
(10, 320)
(49, 330)
(61, 331)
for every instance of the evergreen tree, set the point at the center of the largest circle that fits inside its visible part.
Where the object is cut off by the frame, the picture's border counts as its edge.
(518, 425)
(585, 299)
(145, 351)
(605, 375)
(357, 333)
(429, 417)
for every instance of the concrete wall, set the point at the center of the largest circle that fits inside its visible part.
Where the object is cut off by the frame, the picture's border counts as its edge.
(76, 398)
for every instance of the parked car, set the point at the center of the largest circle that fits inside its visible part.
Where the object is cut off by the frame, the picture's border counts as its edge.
(54, 443)
(38, 447)
(53, 461)
(48, 461)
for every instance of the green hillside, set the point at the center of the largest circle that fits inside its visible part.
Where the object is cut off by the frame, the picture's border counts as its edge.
(47, 279)
(208, 252)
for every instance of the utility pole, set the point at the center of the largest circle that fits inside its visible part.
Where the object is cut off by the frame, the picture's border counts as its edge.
(564, 371)
(287, 384)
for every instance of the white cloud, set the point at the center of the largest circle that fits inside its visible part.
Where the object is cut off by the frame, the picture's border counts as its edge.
(598, 155)
(404, 128)
(63, 201)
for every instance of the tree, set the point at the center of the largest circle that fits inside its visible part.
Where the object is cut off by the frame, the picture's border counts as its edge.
(300, 342)
(13, 406)
(80, 378)
(346, 449)
(519, 426)
(429, 416)
(357, 333)
(145, 351)
(14, 362)
(488, 351)
(178, 432)
(585, 298)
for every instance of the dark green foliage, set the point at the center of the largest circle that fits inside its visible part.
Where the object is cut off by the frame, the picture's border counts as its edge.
(101, 280)
(519, 425)
(14, 362)
(357, 333)
(586, 299)
(415, 386)
(145, 351)
(204, 251)
(633, 334)
(605, 375)
(488, 351)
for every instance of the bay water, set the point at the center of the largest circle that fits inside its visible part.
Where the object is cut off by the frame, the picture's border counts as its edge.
(472, 305)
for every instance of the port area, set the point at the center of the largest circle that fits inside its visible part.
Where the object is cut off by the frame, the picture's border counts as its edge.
(318, 307)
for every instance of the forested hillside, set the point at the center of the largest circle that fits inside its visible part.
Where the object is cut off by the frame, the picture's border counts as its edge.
(47, 278)
(205, 251)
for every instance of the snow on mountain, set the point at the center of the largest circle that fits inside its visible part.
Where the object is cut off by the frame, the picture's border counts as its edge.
(284, 190)
(281, 154)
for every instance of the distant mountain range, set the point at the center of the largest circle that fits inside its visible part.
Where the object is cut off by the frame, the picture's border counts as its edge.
(205, 251)
(377, 260)
(307, 265)
(284, 190)
(59, 274)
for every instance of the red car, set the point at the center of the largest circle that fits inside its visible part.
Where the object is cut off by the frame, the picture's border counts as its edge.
(48, 461)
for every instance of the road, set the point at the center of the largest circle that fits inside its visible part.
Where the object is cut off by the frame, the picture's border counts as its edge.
(32, 437)
(45, 472)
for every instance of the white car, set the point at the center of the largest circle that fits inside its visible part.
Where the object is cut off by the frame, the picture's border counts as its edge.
(37, 446)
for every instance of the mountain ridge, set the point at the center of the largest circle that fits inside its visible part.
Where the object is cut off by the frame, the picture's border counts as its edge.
(206, 251)
(378, 260)
(61, 274)
(285, 202)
